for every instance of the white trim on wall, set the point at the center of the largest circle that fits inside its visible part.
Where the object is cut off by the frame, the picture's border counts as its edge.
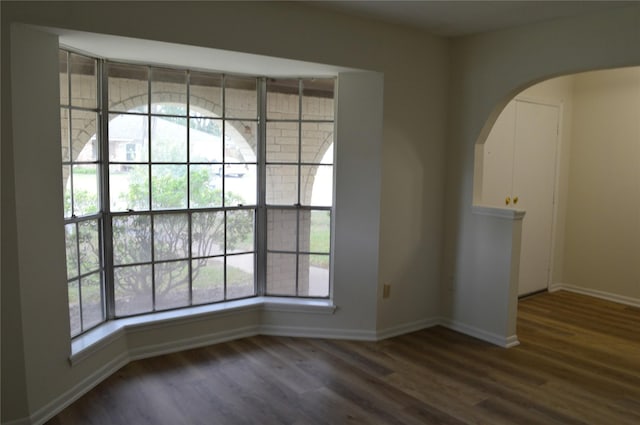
(64, 400)
(406, 328)
(67, 398)
(621, 299)
(508, 213)
(493, 338)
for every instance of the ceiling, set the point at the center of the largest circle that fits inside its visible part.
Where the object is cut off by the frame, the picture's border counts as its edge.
(457, 18)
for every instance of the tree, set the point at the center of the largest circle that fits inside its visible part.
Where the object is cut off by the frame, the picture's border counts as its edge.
(136, 241)
(210, 231)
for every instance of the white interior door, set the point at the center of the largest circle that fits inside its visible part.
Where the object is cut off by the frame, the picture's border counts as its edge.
(534, 164)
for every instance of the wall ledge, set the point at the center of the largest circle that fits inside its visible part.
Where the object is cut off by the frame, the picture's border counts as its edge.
(105, 334)
(507, 213)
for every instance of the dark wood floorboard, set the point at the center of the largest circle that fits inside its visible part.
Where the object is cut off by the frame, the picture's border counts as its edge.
(578, 363)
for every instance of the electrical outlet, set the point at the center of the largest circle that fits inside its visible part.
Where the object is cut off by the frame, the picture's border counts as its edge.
(386, 290)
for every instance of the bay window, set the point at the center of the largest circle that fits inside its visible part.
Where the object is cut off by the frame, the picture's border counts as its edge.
(184, 187)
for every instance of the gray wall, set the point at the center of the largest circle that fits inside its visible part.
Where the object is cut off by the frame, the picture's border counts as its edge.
(603, 216)
(487, 71)
(396, 180)
(429, 83)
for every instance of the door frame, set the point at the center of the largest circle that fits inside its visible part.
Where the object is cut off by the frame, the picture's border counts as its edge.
(559, 104)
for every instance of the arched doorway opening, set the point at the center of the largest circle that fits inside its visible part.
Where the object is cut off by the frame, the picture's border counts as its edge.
(593, 245)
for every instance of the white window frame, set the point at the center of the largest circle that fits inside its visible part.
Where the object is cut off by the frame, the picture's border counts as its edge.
(260, 297)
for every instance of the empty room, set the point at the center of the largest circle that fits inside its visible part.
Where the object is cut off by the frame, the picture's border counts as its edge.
(320, 212)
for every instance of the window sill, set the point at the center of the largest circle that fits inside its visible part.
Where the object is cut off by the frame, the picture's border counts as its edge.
(93, 341)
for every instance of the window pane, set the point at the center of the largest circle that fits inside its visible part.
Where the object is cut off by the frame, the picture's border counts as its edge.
(172, 284)
(207, 234)
(240, 138)
(71, 250)
(169, 186)
(128, 87)
(168, 139)
(170, 236)
(178, 140)
(281, 230)
(83, 81)
(317, 143)
(66, 188)
(317, 99)
(313, 275)
(205, 94)
(240, 280)
(283, 101)
(304, 237)
(64, 82)
(132, 287)
(64, 135)
(129, 187)
(240, 184)
(131, 239)
(241, 97)
(83, 135)
(205, 140)
(91, 301)
(317, 185)
(168, 92)
(240, 235)
(208, 280)
(281, 274)
(317, 237)
(73, 291)
(282, 142)
(205, 186)
(282, 184)
(128, 138)
(84, 142)
(89, 246)
(85, 189)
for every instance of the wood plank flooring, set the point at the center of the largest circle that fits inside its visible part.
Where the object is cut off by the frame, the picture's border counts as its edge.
(578, 363)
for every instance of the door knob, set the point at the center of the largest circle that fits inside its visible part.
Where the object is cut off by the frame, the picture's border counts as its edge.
(507, 200)
(515, 200)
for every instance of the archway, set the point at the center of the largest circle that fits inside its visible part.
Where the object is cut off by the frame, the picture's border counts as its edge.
(597, 163)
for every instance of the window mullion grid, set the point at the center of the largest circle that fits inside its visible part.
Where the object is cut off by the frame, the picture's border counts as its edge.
(71, 164)
(79, 280)
(299, 187)
(150, 174)
(69, 138)
(261, 219)
(189, 252)
(224, 270)
(67, 107)
(104, 223)
(106, 216)
(224, 181)
(224, 133)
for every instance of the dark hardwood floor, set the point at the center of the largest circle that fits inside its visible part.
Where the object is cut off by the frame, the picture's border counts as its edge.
(578, 363)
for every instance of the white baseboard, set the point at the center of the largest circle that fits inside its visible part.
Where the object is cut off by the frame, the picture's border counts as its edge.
(499, 340)
(406, 328)
(304, 332)
(189, 343)
(58, 404)
(61, 402)
(621, 299)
